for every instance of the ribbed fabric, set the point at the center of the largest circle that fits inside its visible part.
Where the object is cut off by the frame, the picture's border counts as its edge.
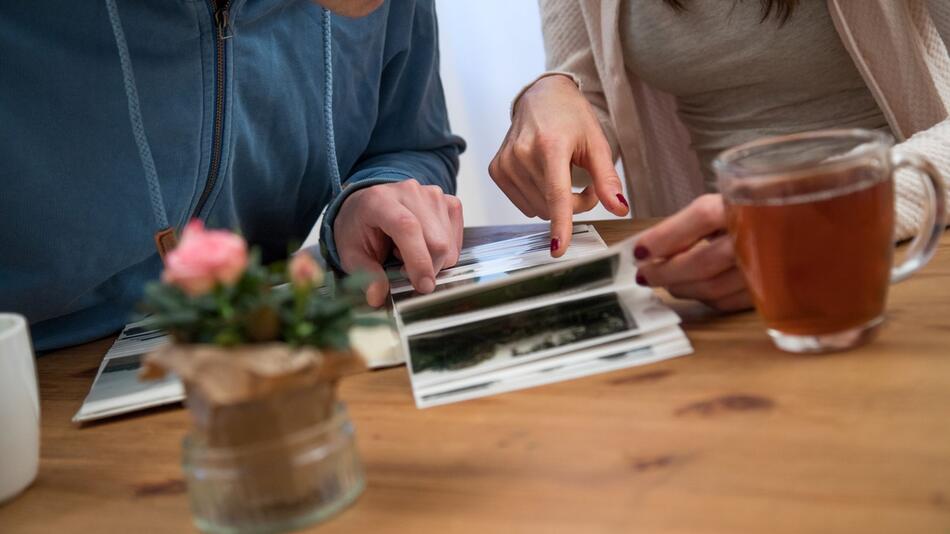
(934, 144)
(135, 118)
(940, 13)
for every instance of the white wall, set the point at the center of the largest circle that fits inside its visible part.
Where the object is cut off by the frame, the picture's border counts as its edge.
(490, 50)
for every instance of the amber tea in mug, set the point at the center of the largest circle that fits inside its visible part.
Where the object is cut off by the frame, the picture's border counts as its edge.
(812, 218)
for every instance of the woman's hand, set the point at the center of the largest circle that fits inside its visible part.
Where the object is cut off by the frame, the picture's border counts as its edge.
(552, 128)
(419, 223)
(691, 256)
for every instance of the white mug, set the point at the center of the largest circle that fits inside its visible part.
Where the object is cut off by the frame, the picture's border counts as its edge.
(19, 408)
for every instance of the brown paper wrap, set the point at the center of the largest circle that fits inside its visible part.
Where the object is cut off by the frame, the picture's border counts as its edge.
(253, 393)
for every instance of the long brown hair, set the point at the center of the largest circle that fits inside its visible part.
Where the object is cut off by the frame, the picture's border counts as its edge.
(781, 8)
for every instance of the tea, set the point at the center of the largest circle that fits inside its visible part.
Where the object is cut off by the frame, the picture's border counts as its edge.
(816, 249)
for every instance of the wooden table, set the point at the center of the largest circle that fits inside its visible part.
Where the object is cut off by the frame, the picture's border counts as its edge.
(736, 438)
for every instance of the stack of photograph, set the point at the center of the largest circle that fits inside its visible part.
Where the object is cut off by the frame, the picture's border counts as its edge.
(500, 259)
(534, 326)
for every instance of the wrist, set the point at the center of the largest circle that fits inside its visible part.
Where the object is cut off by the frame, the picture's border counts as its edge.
(547, 81)
(553, 81)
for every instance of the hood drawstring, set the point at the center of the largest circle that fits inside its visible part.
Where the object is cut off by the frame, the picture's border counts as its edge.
(328, 103)
(165, 236)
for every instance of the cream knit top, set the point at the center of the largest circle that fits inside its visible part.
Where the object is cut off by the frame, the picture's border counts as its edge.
(898, 47)
(737, 77)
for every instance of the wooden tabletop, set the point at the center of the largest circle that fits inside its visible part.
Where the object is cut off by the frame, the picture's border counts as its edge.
(738, 437)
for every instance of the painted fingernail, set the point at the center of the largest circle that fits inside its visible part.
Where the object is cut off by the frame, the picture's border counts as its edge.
(555, 244)
(426, 285)
(641, 280)
(623, 200)
(640, 252)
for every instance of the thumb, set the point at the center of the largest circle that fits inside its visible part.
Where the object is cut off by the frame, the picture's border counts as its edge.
(599, 162)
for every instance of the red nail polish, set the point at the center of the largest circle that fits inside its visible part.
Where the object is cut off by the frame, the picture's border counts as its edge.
(640, 252)
(623, 200)
(555, 244)
(641, 280)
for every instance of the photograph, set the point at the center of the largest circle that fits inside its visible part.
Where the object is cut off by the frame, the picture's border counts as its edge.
(481, 262)
(523, 245)
(619, 346)
(117, 389)
(405, 293)
(573, 277)
(480, 346)
(558, 371)
(519, 334)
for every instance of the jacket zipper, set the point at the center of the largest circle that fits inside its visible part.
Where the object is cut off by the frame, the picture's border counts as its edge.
(223, 32)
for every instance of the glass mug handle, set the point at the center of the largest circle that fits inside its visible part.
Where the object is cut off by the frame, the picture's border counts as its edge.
(924, 245)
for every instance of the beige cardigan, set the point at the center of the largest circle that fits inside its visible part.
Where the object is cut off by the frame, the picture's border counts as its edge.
(896, 45)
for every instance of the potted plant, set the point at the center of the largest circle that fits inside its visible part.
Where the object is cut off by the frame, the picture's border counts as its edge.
(260, 351)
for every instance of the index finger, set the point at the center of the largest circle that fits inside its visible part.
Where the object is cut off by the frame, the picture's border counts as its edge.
(682, 230)
(560, 201)
(402, 226)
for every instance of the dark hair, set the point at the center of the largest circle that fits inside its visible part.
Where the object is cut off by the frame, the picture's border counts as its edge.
(782, 8)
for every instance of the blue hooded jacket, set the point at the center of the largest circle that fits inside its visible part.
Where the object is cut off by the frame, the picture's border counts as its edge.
(121, 117)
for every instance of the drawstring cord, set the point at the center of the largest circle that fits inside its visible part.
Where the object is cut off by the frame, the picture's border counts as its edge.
(135, 117)
(328, 104)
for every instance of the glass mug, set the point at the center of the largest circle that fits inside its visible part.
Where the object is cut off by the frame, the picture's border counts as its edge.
(812, 218)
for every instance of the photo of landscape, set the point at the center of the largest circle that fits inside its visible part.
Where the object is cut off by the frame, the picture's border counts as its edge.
(512, 336)
(573, 277)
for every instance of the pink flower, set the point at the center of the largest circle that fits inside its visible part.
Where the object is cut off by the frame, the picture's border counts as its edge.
(204, 258)
(304, 271)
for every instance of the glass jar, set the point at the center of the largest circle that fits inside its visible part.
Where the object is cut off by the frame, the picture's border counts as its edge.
(277, 485)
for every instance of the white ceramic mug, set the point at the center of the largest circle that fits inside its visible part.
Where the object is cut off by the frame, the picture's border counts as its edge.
(19, 407)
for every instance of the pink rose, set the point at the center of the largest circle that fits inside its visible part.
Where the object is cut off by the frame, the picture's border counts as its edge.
(204, 258)
(304, 271)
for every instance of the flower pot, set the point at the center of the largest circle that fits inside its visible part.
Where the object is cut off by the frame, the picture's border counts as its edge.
(270, 447)
(276, 485)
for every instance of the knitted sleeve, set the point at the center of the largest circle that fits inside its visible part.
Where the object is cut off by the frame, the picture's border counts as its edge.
(932, 143)
(940, 13)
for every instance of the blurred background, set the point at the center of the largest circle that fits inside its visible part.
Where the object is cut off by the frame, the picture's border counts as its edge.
(490, 50)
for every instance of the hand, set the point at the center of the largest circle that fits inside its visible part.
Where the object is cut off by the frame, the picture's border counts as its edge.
(692, 257)
(552, 128)
(421, 224)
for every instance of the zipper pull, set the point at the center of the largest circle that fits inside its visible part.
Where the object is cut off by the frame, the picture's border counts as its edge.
(222, 19)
